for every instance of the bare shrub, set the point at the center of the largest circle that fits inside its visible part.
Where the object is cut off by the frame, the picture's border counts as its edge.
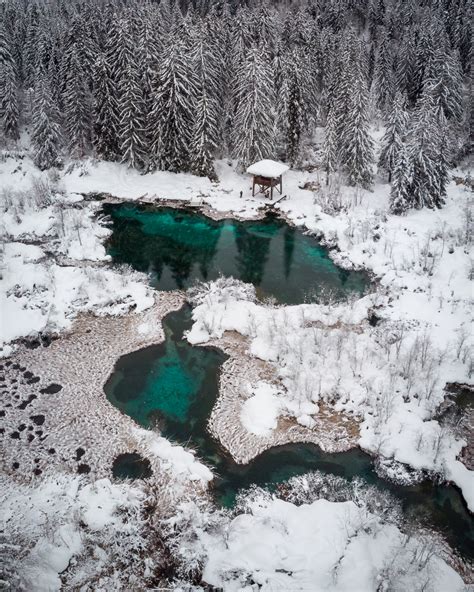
(330, 198)
(41, 192)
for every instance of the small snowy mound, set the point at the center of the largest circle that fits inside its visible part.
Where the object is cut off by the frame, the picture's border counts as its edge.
(260, 412)
(336, 547)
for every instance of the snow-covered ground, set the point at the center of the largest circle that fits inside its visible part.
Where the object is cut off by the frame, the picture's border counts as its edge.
(390, 376)
(320, 546)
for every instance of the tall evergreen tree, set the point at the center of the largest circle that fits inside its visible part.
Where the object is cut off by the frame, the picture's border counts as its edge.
(9, 108)
(401, 197)
(424, 154)
(116, 53)
(171, 116)
(357, 147)
(77, 109)
(132, 132)
(330, 160)
(447, 84)
(253, 127)
(46, 131)
(205, 132)
(294, 119)
(393, 138)
(297, 101)
(383, 73)
(104, 107)
(407, 66)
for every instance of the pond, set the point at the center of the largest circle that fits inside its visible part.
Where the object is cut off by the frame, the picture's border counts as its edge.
(174, 385)
(177, 247)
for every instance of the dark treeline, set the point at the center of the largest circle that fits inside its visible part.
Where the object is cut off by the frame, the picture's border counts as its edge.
(173, 86)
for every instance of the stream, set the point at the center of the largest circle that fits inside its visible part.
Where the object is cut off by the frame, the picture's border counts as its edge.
(173, 385)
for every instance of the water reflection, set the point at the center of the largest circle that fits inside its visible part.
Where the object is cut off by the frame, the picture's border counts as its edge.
(177, 247)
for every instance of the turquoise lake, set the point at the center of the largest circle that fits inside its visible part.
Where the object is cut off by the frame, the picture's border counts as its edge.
(178, 247)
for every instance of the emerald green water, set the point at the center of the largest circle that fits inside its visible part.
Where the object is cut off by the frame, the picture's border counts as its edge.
(177, 247)
(174, 385)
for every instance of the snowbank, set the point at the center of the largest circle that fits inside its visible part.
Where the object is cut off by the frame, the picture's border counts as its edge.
(260, 412)
(51, 524)
(320, 546)
(392, 377)
(49, 264)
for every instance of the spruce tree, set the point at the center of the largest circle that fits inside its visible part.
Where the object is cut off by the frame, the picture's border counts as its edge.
(447, 84)
(170, 119)
(383, 73)
(294, 119)
(442, 162)
(205, 132)
(9, 111)
(104, 107)
(77, 109)
(330, 159)
(356, 146)
(132, 132)
(9, 108)
(401, 198)
(393, 138)
(45, 137)
(116, 53)
(297, 100)
(253, 125)
(424, 154)
(407, 66)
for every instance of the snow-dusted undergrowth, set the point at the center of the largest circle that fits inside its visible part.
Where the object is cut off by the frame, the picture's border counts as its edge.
(320, 533)
(390, 376)
(52, 243)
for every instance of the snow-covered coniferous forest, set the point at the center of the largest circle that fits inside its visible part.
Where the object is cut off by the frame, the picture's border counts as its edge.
(205, 389)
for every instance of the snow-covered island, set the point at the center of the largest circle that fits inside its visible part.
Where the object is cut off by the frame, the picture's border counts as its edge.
(369, 114)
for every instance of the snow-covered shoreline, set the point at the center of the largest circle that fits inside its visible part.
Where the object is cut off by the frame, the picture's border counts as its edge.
(44, 296)
(240, 376)
(77, 416)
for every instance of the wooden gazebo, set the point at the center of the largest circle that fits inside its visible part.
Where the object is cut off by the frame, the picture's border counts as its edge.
(267, 174)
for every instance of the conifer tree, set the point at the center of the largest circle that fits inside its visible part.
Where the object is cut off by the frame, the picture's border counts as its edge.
(104, 107)
(132, 130)
(9, 112)
(9, 108)
(205, 132)
(447, 84)
(253, 126)
(294, 119)
(30, 45)
(406, 67)
(116, 52)
(171, 117)
(330, 160)
(401, 198)
(424, 154)
(46, 131)
(393, 138)
(442, 162)
(356, 145)
(383, 73)
(297, 101)
(77, 109)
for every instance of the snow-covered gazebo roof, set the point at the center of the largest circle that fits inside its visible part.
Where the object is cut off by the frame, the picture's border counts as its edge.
(267, 168)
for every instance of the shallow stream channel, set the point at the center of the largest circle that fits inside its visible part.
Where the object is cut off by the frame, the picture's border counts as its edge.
(174, 385)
